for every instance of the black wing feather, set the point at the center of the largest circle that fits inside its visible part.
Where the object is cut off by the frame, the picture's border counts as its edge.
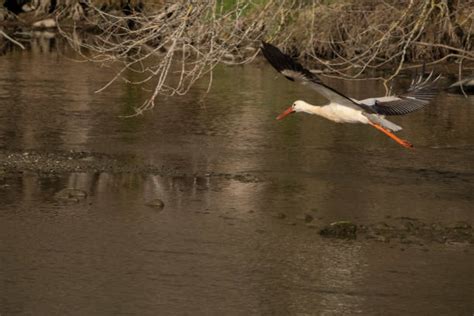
(294, 71)
(282, 62)
(417, 96)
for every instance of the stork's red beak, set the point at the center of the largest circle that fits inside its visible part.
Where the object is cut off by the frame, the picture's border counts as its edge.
(285, 113)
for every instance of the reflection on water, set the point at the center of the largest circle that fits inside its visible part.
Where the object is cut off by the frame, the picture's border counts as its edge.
(217, 247)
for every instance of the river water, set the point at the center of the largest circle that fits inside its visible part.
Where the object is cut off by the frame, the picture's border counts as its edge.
(245, 196)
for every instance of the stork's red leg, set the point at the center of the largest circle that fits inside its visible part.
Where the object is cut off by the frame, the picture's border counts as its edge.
(402, 142)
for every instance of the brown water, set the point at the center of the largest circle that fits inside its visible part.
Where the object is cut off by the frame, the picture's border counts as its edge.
(231, 239)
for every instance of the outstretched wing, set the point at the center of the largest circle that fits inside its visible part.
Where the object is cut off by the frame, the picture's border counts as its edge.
(293, 71)
(420, 93)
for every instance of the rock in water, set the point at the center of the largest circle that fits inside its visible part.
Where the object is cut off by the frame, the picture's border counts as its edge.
(342, 230)
(70, 195)
(156, 203)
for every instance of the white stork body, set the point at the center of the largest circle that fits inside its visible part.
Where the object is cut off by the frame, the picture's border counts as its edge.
(333, 111)
(344, 114)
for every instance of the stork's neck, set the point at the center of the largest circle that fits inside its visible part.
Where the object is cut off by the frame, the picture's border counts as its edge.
(311, 109)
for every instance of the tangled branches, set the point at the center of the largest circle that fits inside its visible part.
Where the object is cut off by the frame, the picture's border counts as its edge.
(189, 38)
(349, 39)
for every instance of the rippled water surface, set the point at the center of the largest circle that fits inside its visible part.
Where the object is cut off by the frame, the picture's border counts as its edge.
(233, 237)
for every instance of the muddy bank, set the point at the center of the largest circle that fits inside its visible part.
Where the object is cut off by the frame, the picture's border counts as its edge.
(404, 230)
(66, 162)
(62, 162)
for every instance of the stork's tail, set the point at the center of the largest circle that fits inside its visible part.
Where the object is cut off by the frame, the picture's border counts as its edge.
(377, 119)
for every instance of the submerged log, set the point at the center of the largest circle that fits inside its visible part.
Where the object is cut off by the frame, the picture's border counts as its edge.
(466, 85)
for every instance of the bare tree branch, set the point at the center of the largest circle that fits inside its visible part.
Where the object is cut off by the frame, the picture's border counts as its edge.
(174, 46)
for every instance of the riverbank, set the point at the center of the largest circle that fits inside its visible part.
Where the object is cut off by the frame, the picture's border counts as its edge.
(337, 34)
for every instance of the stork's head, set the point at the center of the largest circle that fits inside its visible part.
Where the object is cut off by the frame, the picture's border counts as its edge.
(297, 106)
